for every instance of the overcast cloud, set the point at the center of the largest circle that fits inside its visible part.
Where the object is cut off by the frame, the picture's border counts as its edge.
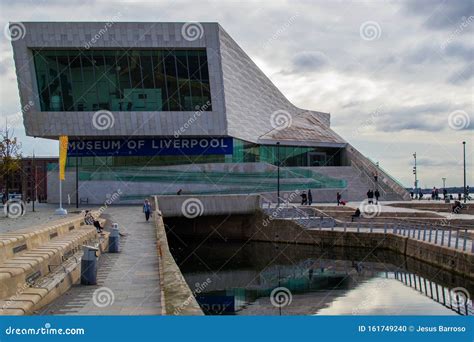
(396, 76)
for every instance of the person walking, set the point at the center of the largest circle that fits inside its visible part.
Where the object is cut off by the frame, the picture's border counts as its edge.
(377, 195)
(147, 209)
(304, 198)
(370, 197)
(310, 197)
(338, 197)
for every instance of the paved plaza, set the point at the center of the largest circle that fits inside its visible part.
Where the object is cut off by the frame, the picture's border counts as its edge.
(128, 282)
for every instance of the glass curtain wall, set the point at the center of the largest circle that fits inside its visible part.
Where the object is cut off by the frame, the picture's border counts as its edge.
(122, 80)
(244, 152)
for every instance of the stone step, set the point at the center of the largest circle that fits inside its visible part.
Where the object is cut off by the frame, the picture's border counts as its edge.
(22, 270)
(30, 297)
(15, 243)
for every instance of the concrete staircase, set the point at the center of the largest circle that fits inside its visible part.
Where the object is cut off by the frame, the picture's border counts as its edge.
(358, 183)
(37, 264)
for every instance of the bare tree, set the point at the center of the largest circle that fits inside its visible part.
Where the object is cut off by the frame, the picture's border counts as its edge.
(10, 155)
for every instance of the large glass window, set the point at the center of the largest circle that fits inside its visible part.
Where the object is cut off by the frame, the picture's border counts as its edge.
(118, 80)
(243, 152)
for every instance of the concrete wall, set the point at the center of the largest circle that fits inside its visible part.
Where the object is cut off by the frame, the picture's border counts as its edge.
(208, 205)
(258, 227)
(63, 35)
(176, 296)
(251, 97)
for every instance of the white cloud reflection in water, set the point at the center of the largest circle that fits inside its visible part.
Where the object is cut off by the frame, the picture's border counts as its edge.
(382, 296)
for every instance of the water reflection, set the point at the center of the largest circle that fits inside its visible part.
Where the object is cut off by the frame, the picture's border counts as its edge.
(241, 279)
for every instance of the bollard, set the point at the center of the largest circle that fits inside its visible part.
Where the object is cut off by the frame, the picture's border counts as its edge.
(385, 228)
(419, 232)
(442, 237)
(114, 239)
(436, 236)
(89, 265)
(457, 240)
(449, 238)
(429, 236)
(424, 233)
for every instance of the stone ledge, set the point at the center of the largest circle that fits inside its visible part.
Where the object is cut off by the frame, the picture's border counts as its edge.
(33, 237)
(176, 296)
(15, 272)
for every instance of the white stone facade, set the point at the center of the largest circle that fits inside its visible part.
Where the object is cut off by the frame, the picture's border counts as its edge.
(243, 98)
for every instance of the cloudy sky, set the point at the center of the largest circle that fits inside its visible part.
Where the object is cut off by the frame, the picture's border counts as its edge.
(396, 76)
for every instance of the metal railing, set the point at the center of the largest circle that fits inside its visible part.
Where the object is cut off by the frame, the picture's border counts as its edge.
(436, 292)
(455, 238)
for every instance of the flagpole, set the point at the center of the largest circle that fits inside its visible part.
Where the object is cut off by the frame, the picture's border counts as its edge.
(60, 210)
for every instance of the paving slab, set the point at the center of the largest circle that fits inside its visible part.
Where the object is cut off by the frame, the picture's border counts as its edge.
(128, 282)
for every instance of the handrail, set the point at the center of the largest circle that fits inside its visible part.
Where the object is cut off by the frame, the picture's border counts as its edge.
(360, 158)
(369, 178)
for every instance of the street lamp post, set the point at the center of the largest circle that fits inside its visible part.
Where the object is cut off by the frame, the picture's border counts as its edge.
(34, 180)
(464, 157)
(415, 173)
(77, 182)
(278, 173)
